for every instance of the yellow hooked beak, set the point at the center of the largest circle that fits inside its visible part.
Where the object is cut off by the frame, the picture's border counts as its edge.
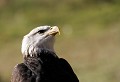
(54, 30)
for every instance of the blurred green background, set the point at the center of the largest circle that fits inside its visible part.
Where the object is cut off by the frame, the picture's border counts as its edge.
(89, 40)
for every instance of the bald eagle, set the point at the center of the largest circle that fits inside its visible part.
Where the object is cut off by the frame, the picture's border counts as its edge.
(41, 64)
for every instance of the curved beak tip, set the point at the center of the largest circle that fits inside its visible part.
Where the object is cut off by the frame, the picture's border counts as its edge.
(54, 30)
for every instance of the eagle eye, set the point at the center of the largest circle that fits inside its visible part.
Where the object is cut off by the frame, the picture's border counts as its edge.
(41, 31)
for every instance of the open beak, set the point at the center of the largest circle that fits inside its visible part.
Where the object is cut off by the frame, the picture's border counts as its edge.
(54, 30)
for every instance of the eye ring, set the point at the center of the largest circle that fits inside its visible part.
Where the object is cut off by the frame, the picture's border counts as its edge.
(51, 28)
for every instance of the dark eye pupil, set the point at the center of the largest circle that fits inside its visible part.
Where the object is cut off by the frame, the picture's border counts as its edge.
(41, 31)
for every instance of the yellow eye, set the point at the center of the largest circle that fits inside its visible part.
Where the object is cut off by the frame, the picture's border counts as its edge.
(51, 28)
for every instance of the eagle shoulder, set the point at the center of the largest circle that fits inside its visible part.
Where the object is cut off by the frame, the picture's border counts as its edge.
(21, 73)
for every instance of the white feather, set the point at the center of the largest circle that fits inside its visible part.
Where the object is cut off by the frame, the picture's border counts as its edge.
(33, 41)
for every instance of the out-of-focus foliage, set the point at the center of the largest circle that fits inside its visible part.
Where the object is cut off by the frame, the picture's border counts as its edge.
(90, 34)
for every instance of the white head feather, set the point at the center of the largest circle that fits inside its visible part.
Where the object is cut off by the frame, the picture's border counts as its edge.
(40, 37)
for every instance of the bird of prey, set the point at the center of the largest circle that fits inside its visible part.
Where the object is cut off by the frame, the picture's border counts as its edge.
(41, 64)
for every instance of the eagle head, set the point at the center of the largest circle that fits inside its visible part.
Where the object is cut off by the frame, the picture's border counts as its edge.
(40, 37)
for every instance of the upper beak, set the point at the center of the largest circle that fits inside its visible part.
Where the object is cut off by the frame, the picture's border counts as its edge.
(54, 30)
